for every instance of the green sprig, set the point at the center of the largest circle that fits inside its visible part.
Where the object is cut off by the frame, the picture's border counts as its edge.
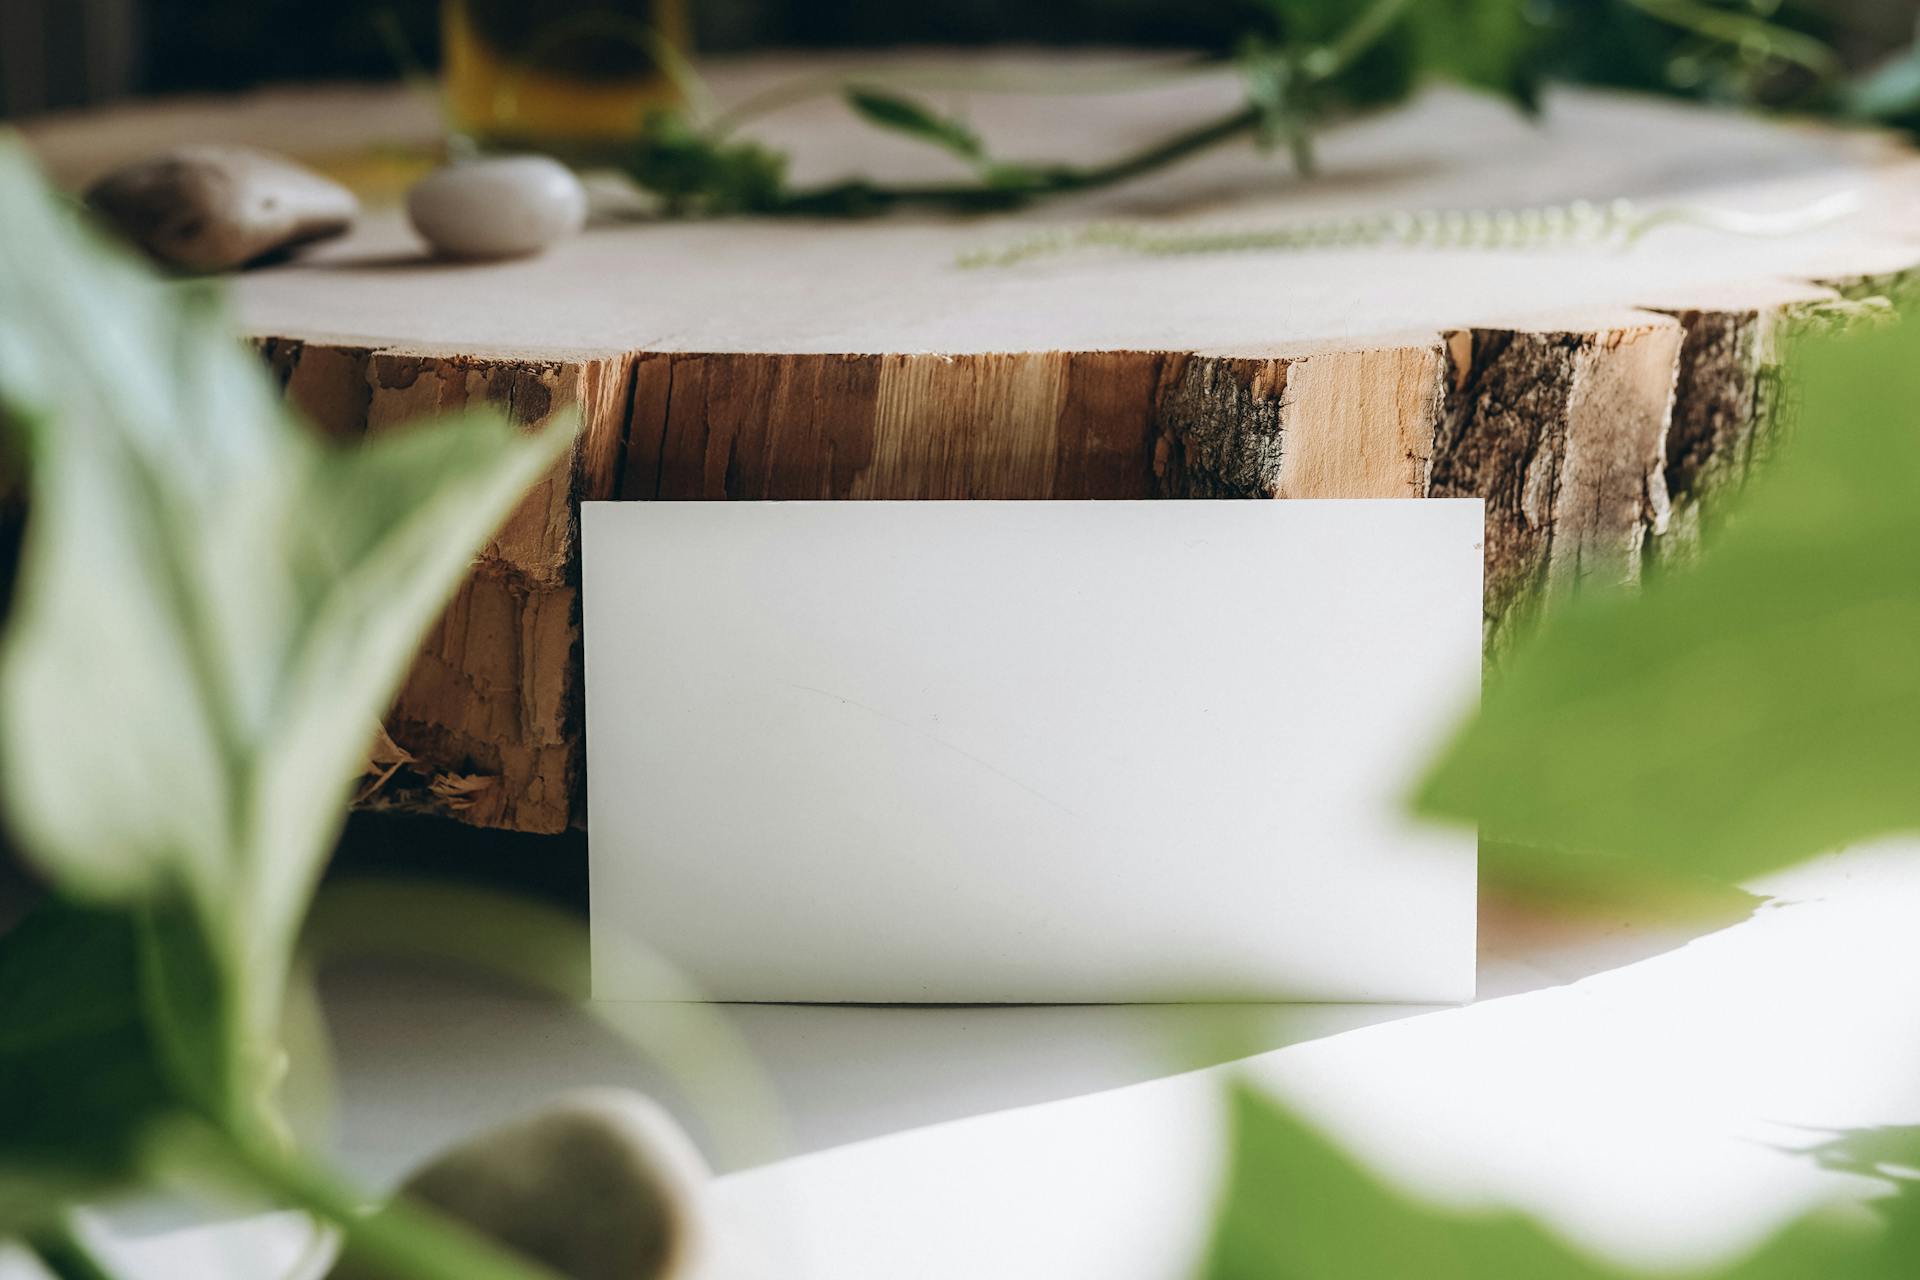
(1292, 80)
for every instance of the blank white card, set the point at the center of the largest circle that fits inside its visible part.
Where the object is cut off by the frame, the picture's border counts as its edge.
(1028, 751)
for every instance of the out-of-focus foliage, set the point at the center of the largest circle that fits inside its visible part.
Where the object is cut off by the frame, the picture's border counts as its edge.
(916, 120)
(1724, 50)
(1306, 63)
(1297, 1208)
(1756, 708)
(695, 173)
(1302, 62)
(79, 1069)
(1750, 52)
(213, 609)
(1312, 59)
(1489, 44)
(1889, 91)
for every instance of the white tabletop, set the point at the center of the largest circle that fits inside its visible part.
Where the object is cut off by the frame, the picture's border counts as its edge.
(1649, 1087)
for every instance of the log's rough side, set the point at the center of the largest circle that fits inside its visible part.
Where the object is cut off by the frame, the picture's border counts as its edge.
(1562, 433)
(1719, 425)
(1590, 446)
(1733, 398)
(487, 728)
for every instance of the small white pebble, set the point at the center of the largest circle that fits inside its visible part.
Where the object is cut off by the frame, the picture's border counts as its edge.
(498, 208)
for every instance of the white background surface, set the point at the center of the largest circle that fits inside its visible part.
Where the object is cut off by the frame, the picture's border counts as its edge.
(1029, 751)
(1651, 1087)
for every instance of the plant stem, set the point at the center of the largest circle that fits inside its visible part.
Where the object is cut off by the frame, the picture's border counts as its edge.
(860, 196)
(1320, 64)
(962, 79)
(1178, 147)
(1376, 20)
(398, 1240)
(1727, 26)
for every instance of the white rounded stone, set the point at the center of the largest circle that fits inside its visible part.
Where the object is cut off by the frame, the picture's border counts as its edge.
(506, 207)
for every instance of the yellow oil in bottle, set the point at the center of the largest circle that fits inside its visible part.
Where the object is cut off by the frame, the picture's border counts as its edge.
(558, 72)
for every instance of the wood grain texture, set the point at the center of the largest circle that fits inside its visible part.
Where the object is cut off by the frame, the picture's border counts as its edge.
(1602, 403)
(489, 720)
(1360, 424)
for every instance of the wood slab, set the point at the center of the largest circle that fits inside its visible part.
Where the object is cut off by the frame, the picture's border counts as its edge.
(1596, 397)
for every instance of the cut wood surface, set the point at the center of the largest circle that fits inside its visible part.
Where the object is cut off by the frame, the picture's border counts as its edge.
(1596, 396)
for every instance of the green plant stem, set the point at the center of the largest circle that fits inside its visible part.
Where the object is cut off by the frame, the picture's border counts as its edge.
(63, 1251)
(860, 196)
(1725, 26)
(1018, 185)
(962, 79)
(1374, 21)
(399, 1240)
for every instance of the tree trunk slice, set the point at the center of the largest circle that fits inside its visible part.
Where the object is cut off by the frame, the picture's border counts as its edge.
(1598, 399)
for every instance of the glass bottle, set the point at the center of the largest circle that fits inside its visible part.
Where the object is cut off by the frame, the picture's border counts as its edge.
(558, 74)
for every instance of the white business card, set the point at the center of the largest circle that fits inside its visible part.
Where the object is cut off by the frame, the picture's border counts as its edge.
(1028, 751)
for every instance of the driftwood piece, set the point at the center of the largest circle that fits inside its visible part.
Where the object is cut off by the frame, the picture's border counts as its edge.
(1602, 401)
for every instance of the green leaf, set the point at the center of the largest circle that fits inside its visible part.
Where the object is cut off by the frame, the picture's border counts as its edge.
(79, 1073)
(1756, 708)
(1334, 53)
(193, 1006)
(1890, 91)
(1297, 1208)
(1302, 24)
(1274, 90)
(694, 173)
(213, 610)
(1489, 44)
(92, 1050)
(904, 115)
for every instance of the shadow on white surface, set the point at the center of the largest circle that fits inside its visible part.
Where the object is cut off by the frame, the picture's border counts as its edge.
(427, 1053)
(1667, 1114)
(1610, 1052)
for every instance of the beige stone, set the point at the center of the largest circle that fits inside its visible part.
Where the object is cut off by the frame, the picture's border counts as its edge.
(597, 1185)
(215, 208)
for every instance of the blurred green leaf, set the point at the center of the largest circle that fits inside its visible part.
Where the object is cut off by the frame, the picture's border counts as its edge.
(1758, 707)
(1890, 91)
(79, 1074)
(99, 1041)
(1753, 32)
(213, 610)
(1276, 89)
(694, 173)
(1489, 44)
(1333, 53)
(1297, 1208)
(1378, 52)
(904, 115)
(1890, 1152)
